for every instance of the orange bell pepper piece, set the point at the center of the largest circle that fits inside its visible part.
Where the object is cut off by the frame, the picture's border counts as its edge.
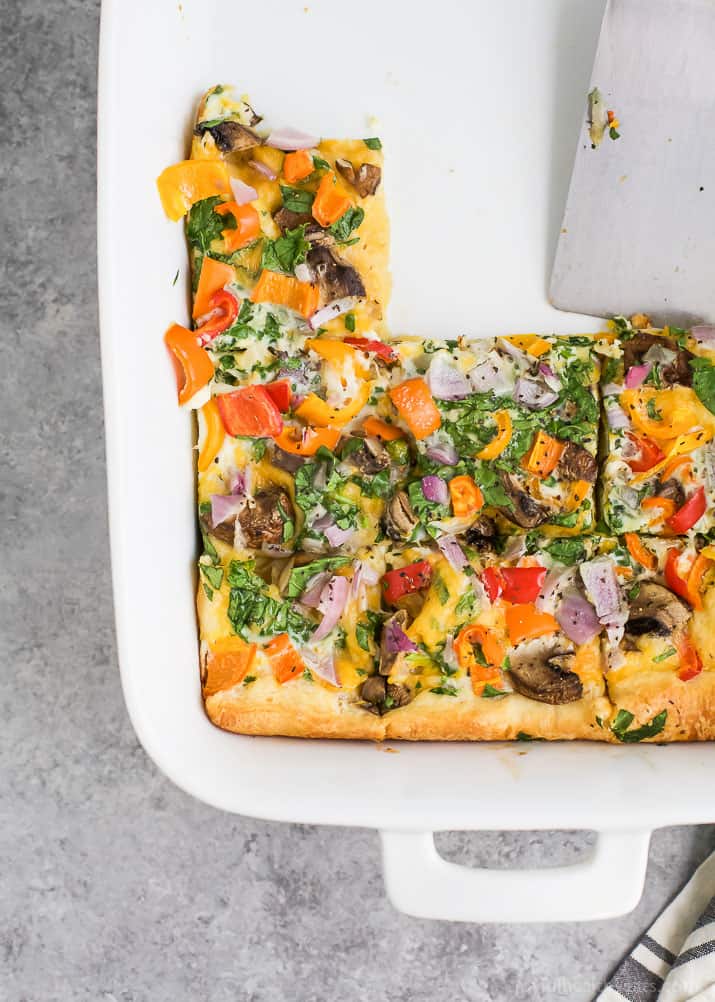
(672, 465)
(329, 205)
(381, 429)
(190, 181)
(285, 290)
(690, 663)
(544, 455)
(297, 165)
(307, 441)
(695, 580)
(226, 668)
(195, 363)
(250, 411)
(666, 507)
(336, 352)
(533, 344)
(502, 438)
(317, 412)
(524, 622)
(215, 434)
(415, 405)
(640, 553)
(286, 661)
(578, 490)
(248, 225)
(474, 645)
(467, 498)
(213, 277)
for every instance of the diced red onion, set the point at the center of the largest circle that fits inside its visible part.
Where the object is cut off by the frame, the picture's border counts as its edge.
(599, 578)
(453, 552)
(446, 382)
(533, 394)
(332, 310)
(703, 333)
(553, 587)
(314, 589)
(435, 489)
(491, 375)
(332, 602)
(291, 139)
(616, 416)
(443, 453)
(612, 389)
(337, 536)
(286, 460)
(240, 482)
(520, 357)
(303, 272)
(550, 377)
(224, 507)
(242, 192)
(577, 618)
(263, 169)
(615, 627)
(369, 575)
(322, 664)
(637, 374)
(395, 638)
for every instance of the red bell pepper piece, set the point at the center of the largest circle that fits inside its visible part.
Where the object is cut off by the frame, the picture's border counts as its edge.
(250, 411)
(280, 394)
(686, 517)
(522, 584)
(690, 663)
(672, 577)
(404, 580)
(223, 310)
(649, 453)
(384, 351)
(493, 583)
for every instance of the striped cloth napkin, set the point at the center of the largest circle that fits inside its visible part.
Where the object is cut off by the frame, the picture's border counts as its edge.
(675, 960)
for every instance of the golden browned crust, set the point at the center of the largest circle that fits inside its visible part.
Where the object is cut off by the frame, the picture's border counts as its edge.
(690, 705)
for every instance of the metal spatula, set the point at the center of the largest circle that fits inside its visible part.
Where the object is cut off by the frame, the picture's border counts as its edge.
(638, 233)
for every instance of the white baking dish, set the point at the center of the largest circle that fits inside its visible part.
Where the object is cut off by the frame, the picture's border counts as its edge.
(477, 104)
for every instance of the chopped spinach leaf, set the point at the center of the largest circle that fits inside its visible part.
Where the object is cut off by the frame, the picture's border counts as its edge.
(300, 576)
(296, 199)
(203, 224)
(349, 221)
(664, 655)
(489, 692)
(286, 252)
(704, 381)
(373, 143)
(624, 719)
(213, 574)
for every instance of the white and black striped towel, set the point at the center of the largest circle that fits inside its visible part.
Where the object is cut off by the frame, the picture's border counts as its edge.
(675, 960)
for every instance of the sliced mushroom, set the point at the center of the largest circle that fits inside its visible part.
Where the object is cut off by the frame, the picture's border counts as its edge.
(482, 532)
(576, 463)
(381, 696)
(400, 519)
(262, 518)
(286, 219)
(657, 611)
(231, 137)
(673, 490)
(225, 531)
(543, 671)
(335, 278)
(365, 180)
(371, 457)
(388, 658)
(678, 371)
(526, 512)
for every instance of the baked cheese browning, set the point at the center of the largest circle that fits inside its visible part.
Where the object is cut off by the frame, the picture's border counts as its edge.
(659, 398)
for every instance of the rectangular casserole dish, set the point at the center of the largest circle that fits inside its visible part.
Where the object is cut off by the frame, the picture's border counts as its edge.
(502, 87)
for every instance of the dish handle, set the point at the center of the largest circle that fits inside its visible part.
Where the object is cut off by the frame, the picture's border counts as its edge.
(421, 883)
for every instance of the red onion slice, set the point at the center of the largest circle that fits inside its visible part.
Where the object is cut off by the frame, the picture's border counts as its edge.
(332, 602)
(395, 639)
(337, 536)
(291, 139)
(532, 394)
(322, 664)
(332, 310)
(577, 618)
(443, 453)
(224, 507)
(704, 333)
(550, 377)
(314, 589)
(599, 578)
(516, 354)
(612, 389)
(446, 382)
(240, 482)
(242, 192)
(263, 169)
(435, 489)
(494, 374)
(453, 552)
(637, 374)
(616, 416)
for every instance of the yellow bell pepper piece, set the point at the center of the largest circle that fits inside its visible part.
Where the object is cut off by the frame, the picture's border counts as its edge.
(680, 447)
(191, 181)
(678, 410)
(531, 343)
(215, 434)
(317, 412)
(503, 436)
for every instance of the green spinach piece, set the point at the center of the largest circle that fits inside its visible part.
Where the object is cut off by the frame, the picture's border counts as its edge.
(704, 381)
(624, 719)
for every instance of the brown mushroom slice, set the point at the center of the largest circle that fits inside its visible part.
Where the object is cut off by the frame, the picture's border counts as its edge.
(231, 137)
(657, 611)
(286, 219)
(335, 278)
(263, 517)
(400, 519)
(365, 180)
(543, 671)
(678, 371)
(526, 512)
(371, 457)
(673, 490)
(388, 657)
(576, 463)
(225, 531)
(381, 696)
(482, 532)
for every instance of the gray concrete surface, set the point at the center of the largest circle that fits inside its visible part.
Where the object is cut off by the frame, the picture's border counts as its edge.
(115, 886)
